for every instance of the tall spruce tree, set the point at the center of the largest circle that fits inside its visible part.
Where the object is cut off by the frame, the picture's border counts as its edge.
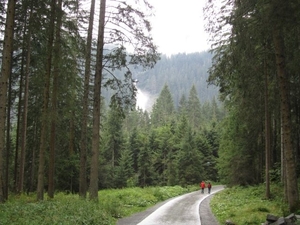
(145, 170)
(194, 109)
(4, 77)
(190, 168)
(93, 188)
(85, 106)
(129, 27)
(45, 109)
(163, 109)
(54, 98)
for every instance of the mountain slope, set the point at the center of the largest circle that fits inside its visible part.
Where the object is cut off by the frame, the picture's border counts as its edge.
(180, 72)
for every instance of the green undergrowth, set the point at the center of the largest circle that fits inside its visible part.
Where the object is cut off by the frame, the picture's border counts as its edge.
(68, 209)
(248, 205)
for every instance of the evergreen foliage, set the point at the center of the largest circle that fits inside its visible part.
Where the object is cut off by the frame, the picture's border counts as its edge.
(179, 72)
(254, 68)
(160, 146)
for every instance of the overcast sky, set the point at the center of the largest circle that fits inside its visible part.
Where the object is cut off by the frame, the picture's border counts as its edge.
(178, 26)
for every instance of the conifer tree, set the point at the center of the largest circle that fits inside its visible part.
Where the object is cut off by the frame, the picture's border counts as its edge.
(85, 111)
(163, 109)
(183, 105)
(4, 77)
(145, 170)
(125, 175)
(190, 169)
(266, 26)
(126, 29)
(93, 188)
(194, 109)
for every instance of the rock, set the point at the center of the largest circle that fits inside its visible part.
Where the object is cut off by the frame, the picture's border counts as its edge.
(274, 220)
(292, 217)
(271, 218)
(281, 221)
(229, 222)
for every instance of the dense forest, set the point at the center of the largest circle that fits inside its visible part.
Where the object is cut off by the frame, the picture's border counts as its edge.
(255, 65)
(180, 72)
(61, 131)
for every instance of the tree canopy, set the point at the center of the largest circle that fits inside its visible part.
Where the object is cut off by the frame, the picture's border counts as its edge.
(61, 131)
(252, 66)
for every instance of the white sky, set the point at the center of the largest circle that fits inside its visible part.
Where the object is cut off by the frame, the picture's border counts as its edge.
(178, 26)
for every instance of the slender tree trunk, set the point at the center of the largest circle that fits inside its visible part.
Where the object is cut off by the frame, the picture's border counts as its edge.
(4, 77)
(267, 132)
(96, 109)
(8, 127)
(33, 159)
(44, 125)
(291, 176)
(56, 73)
(25, 110)
(274, 141)
(19, 127)
(83, 142)
(72, 134)
(283, 162)
(71, 143)
(17, 175)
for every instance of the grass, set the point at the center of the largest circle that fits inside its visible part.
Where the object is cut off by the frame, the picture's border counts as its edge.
(241, 205)
(247, 205)
(68, 209)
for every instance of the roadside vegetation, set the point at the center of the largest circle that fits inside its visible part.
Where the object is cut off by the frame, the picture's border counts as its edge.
(248, 205)
(241, 205)
(68, 209)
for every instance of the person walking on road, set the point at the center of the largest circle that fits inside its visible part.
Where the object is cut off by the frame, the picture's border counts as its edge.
(202, 186)
(209, 187)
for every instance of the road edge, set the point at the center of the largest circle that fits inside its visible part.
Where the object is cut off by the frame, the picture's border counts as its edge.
(208, 214)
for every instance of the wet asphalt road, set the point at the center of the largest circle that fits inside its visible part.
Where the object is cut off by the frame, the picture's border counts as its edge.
(188, 209)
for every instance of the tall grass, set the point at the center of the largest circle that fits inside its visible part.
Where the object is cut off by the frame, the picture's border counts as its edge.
(248, 205)
(68, 209)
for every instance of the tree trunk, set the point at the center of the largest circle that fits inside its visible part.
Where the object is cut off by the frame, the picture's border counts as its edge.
(85, 102)
(291, 176)
(8, 144)
(33, 159)
(44, 125)
(267, 132)
(19, 116)
(72, 134)
(283, 162)
(4, 77)
(25, 108)
(71, 144)
(96, 109)
(56, 72)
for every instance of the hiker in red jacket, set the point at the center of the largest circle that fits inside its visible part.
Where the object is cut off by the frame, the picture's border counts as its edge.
(202, 186)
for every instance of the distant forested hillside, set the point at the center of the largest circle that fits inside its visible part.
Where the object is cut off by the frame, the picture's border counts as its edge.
(179, 72)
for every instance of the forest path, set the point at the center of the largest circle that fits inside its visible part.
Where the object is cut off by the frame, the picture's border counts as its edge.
(188, 209)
